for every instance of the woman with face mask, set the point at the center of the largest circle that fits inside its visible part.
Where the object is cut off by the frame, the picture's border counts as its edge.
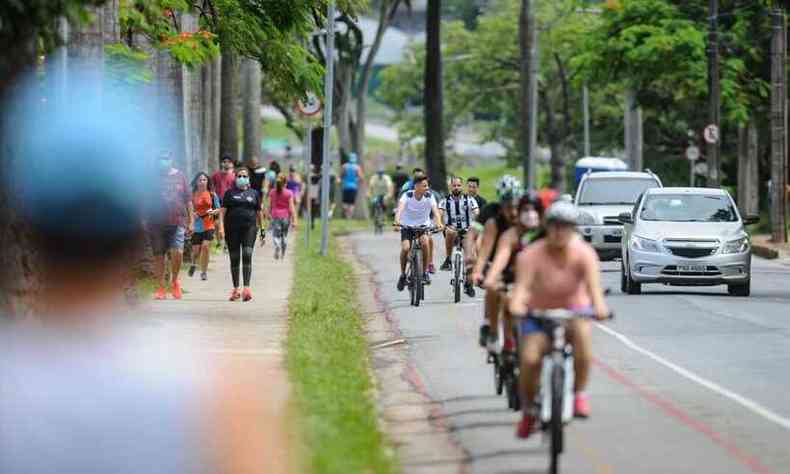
(240, 219)
(525, 229)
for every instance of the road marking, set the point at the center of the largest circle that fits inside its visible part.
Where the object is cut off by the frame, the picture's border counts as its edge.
(750, 405)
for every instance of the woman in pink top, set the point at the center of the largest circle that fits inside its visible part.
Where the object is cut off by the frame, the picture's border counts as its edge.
(559, 272)
(282, 212)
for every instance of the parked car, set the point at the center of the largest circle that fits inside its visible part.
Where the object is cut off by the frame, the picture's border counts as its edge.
(686, 237)
(601, 198)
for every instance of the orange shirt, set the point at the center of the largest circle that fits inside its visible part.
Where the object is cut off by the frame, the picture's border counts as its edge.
(203, 203)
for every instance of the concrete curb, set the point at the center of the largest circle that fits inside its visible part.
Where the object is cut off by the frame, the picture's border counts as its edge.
(765, 252)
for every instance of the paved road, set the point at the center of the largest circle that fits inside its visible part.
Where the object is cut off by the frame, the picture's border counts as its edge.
(686, 380)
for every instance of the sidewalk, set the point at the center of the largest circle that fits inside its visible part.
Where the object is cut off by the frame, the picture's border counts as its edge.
(250, 336)
(763, 246)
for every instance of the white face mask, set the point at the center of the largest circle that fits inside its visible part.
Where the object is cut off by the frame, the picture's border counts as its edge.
(530, 219)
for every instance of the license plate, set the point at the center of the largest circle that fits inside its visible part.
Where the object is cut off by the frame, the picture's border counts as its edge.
(692, 268)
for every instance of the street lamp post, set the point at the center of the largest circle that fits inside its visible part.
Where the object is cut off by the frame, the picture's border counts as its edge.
(329, 82)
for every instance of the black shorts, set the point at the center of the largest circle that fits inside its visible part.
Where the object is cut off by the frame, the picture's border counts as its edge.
(407, 234)
(349, 196)
(200, 237)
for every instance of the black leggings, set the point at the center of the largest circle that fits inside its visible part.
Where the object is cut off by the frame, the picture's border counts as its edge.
(241, 242)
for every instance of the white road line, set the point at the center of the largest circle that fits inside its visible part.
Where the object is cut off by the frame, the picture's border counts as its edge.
(739, 399)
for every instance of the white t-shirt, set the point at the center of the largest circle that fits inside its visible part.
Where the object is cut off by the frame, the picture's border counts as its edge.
(417, 212)
(460, 212)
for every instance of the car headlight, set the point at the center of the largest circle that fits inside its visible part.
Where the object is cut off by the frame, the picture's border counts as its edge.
(645, 245)
(736, 246)
(585, 218)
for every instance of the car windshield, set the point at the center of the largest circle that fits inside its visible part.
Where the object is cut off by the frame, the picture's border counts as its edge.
(615, 191)
(688, 208)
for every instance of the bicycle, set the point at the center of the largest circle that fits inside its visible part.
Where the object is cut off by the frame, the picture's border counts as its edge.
(555, 398)
(458, 280)
(378, 215)
(415, 271)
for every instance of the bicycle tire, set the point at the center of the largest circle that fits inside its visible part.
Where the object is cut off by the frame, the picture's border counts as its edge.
(412, 283)
(556, 425)
(457, 278)
(418, 282)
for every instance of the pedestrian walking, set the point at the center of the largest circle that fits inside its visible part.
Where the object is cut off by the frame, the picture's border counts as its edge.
(282, 213)
(271, 176)
(352, 176)
(295, 184)
(240, 218)
(168, 237)
(206, 205)
(224, 179)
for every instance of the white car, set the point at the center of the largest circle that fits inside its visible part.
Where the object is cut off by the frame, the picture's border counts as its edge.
(601, 198)
(686, 237)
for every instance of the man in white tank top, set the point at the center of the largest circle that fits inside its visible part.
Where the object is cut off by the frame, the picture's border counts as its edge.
(414, 210)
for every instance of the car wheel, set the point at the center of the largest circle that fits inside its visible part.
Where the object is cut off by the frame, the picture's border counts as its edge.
(633, 287)
(740, 290)
(623, 279)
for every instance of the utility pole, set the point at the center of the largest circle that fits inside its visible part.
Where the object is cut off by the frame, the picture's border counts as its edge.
(329, 83)
(714, 95)
(308, 153)
(528, 42)
(586, 107)
(778, 125)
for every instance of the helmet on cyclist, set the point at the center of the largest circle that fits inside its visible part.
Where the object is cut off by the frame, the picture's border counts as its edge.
(352, 158)
(562, 212)
(508, 189)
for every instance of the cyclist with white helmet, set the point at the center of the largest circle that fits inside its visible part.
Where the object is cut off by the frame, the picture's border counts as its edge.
(558, 272)
(494, 220)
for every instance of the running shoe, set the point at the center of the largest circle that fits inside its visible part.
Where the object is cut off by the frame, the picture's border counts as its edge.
(176, 290)
(401, 282)
(160, 294)
(525, 426)
(235, 295)
(485, 330)
(469, 289)
(431, 268)
(446, 266)
(204, 276)
(192, 269)
(581, 405)
(246, 294)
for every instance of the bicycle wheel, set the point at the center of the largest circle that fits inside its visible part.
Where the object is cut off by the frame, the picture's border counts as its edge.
(556, 426)
(457, 278)
(417, 272)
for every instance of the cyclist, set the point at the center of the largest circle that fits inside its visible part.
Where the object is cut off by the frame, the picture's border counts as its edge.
(495, 219)
(473, 191)
(414, 209)
(351, 177)
(558, 272)
(400, 177)
(515, 239)
(458, 211)
(381, 188)
(240, 218)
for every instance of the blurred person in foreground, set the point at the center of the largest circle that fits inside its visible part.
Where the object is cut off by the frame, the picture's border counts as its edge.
(168, 235)
(80, 390)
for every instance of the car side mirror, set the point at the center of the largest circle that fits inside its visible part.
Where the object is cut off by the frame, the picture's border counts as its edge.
(750, 220)
(625, 218)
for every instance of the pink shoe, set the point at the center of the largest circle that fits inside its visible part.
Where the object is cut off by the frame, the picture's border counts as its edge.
(235, 295)
(160, 294)
(581, 405)
(246, 295)
(525, 426)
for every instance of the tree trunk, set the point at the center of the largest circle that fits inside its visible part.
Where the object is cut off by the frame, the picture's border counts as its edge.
(633, 131)
(386, 11)
(252, 109)
(778, 127)
(229, 124)
(169, 87)
(216, 113)
(344, 73)
(192, 107)
(433, 100)
(748, 170)
(555, 145)
(524, 115)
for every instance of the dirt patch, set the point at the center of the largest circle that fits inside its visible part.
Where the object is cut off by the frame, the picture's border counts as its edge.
(410, 418)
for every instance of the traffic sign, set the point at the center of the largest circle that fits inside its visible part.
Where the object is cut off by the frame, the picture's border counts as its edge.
(310, 106)
(692, 153)
(711, 134)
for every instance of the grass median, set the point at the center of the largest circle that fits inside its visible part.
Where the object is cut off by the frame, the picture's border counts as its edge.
(329, 367)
